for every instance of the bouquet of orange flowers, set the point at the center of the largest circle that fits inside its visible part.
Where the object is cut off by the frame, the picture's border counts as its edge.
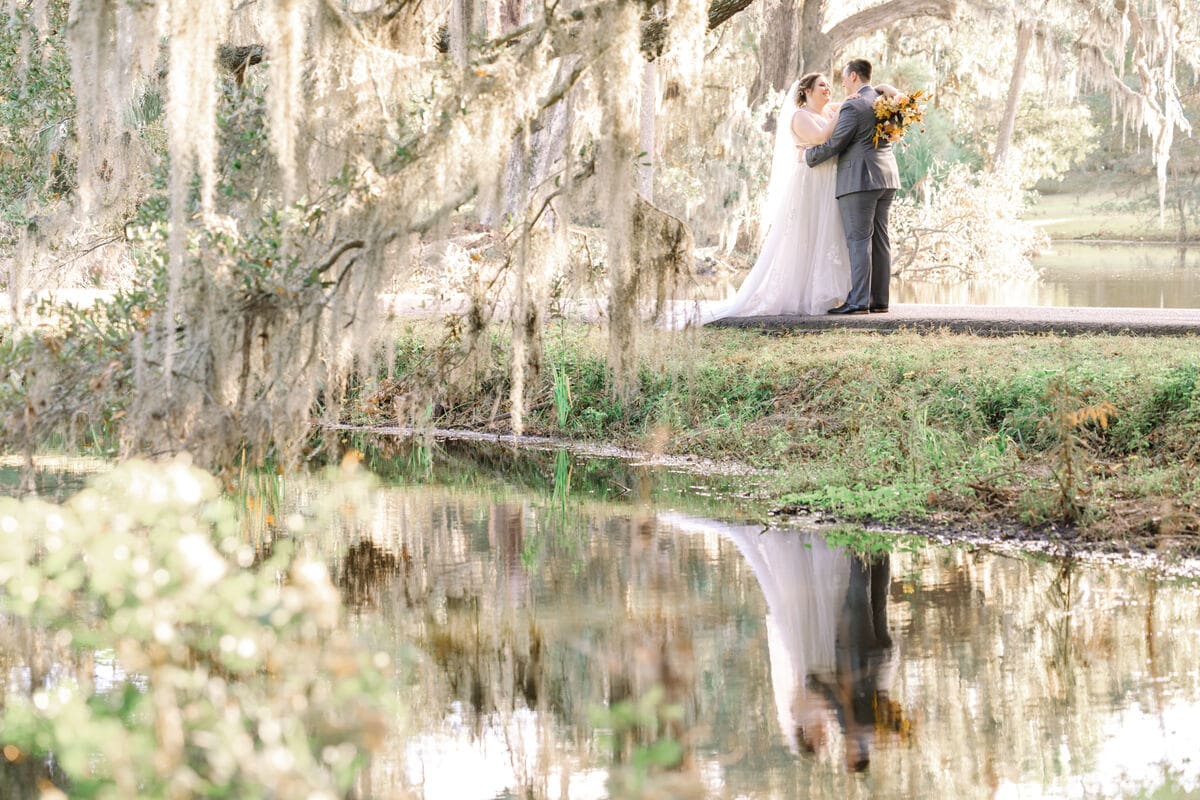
(896, 114)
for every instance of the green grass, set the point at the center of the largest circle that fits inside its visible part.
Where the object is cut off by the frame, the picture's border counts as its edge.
(885, 427)
(1089, 208)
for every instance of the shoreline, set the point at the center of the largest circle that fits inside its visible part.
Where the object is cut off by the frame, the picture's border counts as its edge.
(1187, 243)
(946, 529)
(1097, 431)
(993, 320)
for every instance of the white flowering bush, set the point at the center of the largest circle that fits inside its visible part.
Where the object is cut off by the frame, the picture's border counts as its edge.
(229, 675)
(967, 226)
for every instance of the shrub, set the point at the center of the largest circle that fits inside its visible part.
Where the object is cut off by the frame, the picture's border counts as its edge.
(967, 227)
(230, 675)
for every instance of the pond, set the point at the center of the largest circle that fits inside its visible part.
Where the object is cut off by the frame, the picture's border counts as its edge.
(1113, 275)
(545, 589)
(562, 620)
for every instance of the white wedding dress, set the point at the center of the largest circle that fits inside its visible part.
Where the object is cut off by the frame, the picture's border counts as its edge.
(804, 266)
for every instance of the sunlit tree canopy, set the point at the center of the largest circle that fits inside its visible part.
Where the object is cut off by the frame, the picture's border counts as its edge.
(266, 181)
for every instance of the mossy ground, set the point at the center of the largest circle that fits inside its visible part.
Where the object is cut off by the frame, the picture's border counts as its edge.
(1099, 432)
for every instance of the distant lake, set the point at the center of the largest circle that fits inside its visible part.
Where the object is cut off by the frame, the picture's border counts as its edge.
(1083, 274)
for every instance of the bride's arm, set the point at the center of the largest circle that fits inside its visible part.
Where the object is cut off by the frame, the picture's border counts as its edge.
(887, 90)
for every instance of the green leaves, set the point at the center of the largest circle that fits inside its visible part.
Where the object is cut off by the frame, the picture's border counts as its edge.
(222, 679)
(641, 727)
(36, 110)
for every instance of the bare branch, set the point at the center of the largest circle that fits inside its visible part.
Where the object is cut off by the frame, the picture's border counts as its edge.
(885, 15)
(345, 247)
(558, 92)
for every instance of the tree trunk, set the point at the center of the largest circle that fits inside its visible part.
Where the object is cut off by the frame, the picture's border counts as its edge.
(1008, 122)
(646, 129)
(1181, 207)
(815, 53)
(502, 16)
(460, 31)
(778, 47)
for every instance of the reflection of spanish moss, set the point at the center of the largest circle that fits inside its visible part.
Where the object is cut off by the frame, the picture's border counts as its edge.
(506, 533)
(486, 674)
(1057, 624)
(30, 660)
(366, 574)
(23, 778)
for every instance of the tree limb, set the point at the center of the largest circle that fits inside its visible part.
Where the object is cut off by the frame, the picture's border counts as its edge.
(557, 93)
(237, 58)
(654, 31)
(356, 244)
(884, 15)
(720, 11)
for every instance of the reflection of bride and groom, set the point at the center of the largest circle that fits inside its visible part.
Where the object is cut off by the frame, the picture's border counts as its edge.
(831, 654)
(827, 635)
(827, 247)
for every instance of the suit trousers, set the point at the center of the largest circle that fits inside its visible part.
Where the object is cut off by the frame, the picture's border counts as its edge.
(865, 218)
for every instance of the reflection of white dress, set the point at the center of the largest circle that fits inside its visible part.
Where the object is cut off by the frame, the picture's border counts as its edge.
(804, 582)
(803, 267)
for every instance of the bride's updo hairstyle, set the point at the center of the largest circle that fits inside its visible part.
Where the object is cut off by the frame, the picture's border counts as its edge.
(806, 84)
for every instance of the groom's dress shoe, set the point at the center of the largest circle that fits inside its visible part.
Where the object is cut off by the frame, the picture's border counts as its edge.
(878, 309)
(846, 308)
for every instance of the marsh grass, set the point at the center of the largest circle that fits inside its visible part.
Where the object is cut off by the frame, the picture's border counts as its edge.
(884, 427)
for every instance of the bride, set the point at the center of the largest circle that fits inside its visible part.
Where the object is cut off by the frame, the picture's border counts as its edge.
(803, 267)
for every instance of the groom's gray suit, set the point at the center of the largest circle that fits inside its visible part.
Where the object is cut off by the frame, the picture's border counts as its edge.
(867, 180)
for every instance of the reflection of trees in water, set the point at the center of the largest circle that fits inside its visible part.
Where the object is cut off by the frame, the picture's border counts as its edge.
(30, 660)
(365, 573)
(1016, 664)
(511, 613)
(486, 632)
(485, 465)
(1003, 665)
(1057, 628)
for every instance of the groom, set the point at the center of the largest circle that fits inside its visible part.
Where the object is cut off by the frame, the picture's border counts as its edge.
(867, 180)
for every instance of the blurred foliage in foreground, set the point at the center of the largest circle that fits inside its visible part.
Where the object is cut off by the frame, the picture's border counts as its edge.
(171, 659)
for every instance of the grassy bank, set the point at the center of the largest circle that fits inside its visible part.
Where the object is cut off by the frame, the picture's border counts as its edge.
(1099, 431)
(1088, 207)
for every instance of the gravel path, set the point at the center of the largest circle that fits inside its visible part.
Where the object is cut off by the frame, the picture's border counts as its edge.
(994, 320)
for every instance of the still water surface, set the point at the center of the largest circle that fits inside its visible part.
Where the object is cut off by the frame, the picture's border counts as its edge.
(537, 600)
(532, 592)
(1083, 274)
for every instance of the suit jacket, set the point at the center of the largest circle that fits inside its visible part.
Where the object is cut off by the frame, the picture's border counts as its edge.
(861, 166)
